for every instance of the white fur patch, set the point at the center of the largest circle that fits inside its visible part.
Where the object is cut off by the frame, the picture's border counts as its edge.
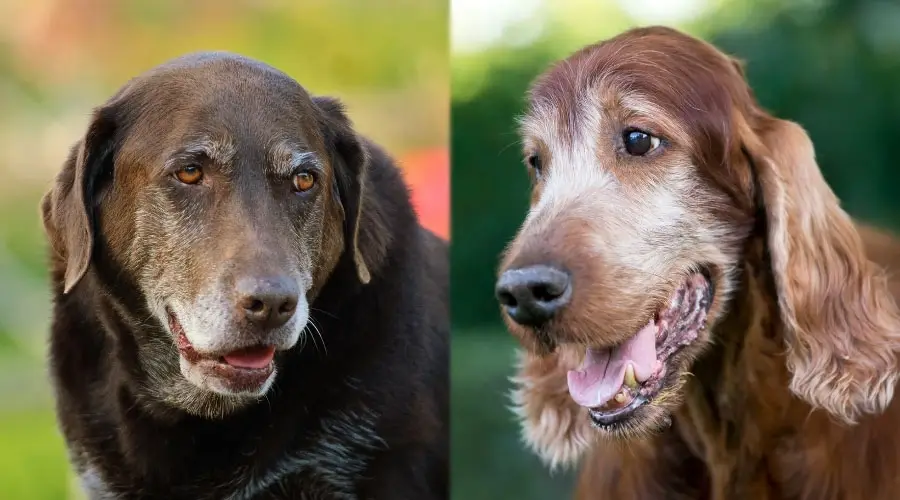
(559, 435)
(220, 151)
(94, 485)
(286, 157)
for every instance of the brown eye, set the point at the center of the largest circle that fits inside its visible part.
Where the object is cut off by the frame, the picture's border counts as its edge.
(639, 143)
(190, 175)
(534, 161)
(304, 181)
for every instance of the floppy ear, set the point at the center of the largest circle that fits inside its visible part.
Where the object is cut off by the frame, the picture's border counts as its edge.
(350, 166)
(841, 323)
(67, 208)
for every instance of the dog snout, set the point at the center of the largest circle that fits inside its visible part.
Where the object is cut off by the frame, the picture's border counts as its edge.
(267, 302)
(532, 295)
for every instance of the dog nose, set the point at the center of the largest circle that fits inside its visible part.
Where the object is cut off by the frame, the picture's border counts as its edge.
(267, 302)
(532, 295)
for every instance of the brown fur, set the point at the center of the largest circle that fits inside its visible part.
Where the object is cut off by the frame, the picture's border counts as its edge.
(789, 391)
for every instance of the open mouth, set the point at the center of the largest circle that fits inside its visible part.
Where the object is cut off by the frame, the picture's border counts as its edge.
(242, 370)
(614, 381)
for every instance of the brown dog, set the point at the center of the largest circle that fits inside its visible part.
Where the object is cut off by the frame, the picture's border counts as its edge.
(245, 304)
(685, 263)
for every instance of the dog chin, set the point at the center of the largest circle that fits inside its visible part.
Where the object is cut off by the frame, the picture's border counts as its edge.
(223, 379)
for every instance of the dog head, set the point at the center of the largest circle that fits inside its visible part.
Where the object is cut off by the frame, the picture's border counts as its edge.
(652, 166)
(223, 195)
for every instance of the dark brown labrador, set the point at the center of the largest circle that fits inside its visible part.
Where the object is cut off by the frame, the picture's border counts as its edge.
(245, 303)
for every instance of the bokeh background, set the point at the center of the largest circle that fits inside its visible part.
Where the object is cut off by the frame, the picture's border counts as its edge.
(831, 65)
(387, 60)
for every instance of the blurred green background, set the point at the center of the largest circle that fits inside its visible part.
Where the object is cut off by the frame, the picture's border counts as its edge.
(831, 65)
(388, 60)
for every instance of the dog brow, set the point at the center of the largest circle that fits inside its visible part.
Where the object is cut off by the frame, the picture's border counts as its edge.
(220, 151)
(285, 157)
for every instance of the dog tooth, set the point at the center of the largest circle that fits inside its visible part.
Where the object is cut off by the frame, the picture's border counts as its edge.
(630, 379)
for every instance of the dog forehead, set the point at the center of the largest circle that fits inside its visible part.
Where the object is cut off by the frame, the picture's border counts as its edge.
(216, 102)
(656, 79)
(208, 70)
(214, 87)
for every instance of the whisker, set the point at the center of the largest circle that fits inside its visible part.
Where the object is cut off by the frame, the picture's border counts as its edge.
(319, 332)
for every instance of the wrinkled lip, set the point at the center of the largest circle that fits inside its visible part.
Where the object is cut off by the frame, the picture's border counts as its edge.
(615, 381)
(246, 368)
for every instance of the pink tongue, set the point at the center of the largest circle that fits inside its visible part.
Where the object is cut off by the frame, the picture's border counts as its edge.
(603, 371)
(252, 357)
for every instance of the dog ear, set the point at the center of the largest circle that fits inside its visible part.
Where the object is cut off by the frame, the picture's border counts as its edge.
(350, 164)
(67, 209)
(841, 323)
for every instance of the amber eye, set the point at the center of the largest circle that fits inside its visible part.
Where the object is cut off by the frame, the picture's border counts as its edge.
(191, 174)
(304, 181)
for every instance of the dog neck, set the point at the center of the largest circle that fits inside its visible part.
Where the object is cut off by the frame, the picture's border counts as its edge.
(741, 384)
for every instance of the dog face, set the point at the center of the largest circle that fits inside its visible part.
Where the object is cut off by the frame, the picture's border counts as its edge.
(618, 261)
(225, 195)
(652, 164)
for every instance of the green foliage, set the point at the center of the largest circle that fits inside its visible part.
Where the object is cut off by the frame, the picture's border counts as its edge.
(490, 187)
(840, 82)
(489, 461)
(33, 461)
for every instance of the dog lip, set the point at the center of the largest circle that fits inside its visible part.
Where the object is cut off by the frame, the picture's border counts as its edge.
(255, 357)
(678, 322)
(612, 417)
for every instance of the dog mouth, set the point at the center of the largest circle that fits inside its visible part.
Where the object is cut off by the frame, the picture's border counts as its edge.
(241, 370)
(613, 382)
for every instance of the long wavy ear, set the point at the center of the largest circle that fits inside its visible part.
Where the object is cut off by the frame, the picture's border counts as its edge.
(67, 208)
(841, 323)
(350, 164)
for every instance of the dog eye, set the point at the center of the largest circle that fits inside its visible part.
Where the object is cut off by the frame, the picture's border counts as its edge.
(639, 143)
(192, 174)
(534, 161)
(304, 181)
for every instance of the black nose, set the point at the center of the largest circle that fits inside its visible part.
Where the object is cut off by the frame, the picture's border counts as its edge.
(267, 302)
(532, 295)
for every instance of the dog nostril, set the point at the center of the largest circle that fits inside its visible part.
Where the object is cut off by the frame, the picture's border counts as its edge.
(255, 306)
(545, 293)
(287, 307)
(506, 299)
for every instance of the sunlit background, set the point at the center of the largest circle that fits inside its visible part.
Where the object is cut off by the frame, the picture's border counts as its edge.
(387, 60)
(832, 65)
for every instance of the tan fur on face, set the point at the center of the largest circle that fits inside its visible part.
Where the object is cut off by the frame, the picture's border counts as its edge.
(801, 320)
